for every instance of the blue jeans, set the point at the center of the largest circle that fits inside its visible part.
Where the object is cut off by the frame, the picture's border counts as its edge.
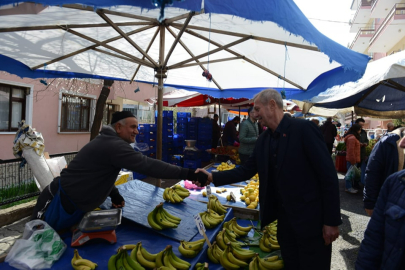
(348, 183)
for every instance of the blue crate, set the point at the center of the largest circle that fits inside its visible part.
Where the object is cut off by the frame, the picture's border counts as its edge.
(168, 125)
(191, 137)
(183, 114)
(176, 157)
(182, 125)
(192, 164)
(205, 120)
(192, 126)
(167, 113)
(147, 127)
(192, 132)
(192, 155)
(151, 154)
(182, 120)
(167, 138)
(142, 138)
(205, 125)
(167, 132)
(194, 120)
(181, 130)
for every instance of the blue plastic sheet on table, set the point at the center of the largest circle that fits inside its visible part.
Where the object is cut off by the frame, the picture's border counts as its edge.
(141, 198)
(99, 250)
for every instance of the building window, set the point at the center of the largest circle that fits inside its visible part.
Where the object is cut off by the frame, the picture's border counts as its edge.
(108, 111)
(12, 106)
(75, 113)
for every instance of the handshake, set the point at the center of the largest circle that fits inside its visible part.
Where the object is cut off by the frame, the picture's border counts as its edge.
(199, 177)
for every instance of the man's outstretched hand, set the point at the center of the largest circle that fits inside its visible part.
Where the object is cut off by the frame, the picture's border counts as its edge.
(206, 174)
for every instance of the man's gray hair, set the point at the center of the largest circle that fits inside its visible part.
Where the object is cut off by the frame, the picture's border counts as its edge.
(265, 96)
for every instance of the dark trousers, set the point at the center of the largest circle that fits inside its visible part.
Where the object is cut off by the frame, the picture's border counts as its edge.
(330, 147)
(301, 252)
(243, 158)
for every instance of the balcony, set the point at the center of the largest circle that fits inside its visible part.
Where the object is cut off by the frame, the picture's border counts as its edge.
(381, 8)
(362, 39)
(391, 31)
(362, 16)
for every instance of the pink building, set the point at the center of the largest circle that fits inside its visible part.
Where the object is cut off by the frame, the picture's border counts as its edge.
(63, 110)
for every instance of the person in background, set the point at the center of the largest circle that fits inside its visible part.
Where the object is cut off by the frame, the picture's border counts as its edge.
(363, 145)
(90, 177)
(329, 133)
(303, 197)
(248, 134)
(384, 239)
(316, 121)
(390, 127)
(216, 131)
(386, 158)
(352, 141)
(230, 135)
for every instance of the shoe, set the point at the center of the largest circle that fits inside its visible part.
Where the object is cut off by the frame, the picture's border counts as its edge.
(351, 190)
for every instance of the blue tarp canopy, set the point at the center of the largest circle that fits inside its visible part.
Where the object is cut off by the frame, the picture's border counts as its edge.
(255, 44)
(380, 93)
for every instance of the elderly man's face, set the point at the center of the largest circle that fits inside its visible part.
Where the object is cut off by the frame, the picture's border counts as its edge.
(128, 131)
(262, 113)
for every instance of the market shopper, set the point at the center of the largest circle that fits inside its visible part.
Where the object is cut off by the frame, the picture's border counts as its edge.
(216, 131)
(298, 184)
(329, 133)
(352, 141)
(384, 239)
(248, 134)
(386, 158)
(230, 135)
(363, 144)
(89, 179)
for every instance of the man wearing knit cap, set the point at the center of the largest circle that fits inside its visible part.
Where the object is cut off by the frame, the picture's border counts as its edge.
(89, 179)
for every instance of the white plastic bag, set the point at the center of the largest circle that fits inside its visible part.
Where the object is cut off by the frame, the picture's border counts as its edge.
(40, 247)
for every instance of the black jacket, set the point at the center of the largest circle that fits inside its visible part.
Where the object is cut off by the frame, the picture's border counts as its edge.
(308, 181)
(329, 132)
(89, 179)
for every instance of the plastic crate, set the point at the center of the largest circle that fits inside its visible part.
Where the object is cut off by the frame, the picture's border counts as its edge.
(205, 120)
(192, 164)
(167, 138)
(168, 125)
(152, 154)
(142, 138)
(167, 113)
(166, 132)
(182, 120)
(192, 132)
(194, 120)
(148, 127)
(183, 115)
(192, 155)
(191, 137)
(181, 130)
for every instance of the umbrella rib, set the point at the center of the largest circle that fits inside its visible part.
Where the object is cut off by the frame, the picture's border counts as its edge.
(221, 48)
(169, 53)
(147, 50)
(109, 47)
(180, 17)
(70, 26)
(247, 59)
(395, 85)
(106, 11)
(192, 55)
(122, 33)
(367, 94)
(211, 61)
(270, 40)
(90, 47)
(115, 55)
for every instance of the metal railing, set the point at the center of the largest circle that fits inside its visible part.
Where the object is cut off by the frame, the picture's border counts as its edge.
(362, 3)
(17, 183)
(362, 31)
(398, 9)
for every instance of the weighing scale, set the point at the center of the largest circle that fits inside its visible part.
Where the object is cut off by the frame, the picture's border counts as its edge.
(97, 225)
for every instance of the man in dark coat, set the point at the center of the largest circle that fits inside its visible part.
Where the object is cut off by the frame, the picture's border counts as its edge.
(230, 134)
(329, 133)
(298, 184)
(385, 159)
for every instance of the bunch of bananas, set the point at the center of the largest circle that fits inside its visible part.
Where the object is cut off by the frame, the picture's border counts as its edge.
(160, 219)
(226, 236)
(250, 194)
(191, 249)
(211, 219)
(201, 266)
(273, 262)
(225, 166)
(122, 260)
(175, 194)
(229, 261)
(269, 242)
(216, 205)
(78, 263)
(238, 230)
(214, 253)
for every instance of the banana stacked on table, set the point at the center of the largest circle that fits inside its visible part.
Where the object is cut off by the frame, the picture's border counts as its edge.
(140, 258)
(79, 263)
(211, 219)
(216, 205)
(191, 249)
(175, 194)
(229, 261)
(269, 242)
(160, 219)
(238, 230)
(273, 262)
(201, 266)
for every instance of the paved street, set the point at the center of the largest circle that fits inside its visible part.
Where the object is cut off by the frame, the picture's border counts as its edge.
(345, 249)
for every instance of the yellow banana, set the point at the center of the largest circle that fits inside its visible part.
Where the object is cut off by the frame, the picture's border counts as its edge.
(129, 246)
(161, 220)
(159, 259)
(152, 221)
(85, 262)
(274, 247)
(192, 246)
(178, 187)
(219, 208)
(166, 194)
(171, 216)
(170, 193)
(167, 263)
(182, 194)
(236, 261)
(149, 256)
(231, 236)
(214, 215)
(204, 220)
(225, 261)
(220, 240)
(133, 264)
(273, 241)
(242, 254)
(188, 253)
(143, 261)
(244, 229)
(111, 262)
(267, 241)
(118, 263)
(254, 264)
(233, 226)
(211, 255)
(271, 259)
(202, 240)
(278, 264)
(212, 221)
(125, 261)
(177, 264)
(176, 197)
(178, 259)
(134, 251)
(262, 246)
(76, 256)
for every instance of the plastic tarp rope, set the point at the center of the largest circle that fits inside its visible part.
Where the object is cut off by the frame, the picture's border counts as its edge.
(141, 198)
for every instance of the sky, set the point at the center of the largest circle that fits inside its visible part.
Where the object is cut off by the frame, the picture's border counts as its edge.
(330, 17)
